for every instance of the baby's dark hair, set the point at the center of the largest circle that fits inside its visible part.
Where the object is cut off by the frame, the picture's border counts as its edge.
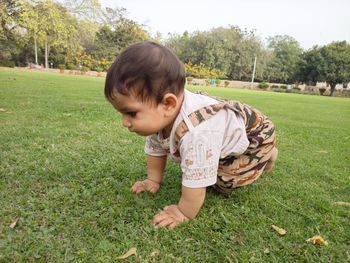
(147, 70)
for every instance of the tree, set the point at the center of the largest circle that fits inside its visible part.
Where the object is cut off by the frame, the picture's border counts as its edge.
(111, 16)
(117, 34)
(49, 22)
(310, 67)
(87, 34)
(105, 45)
(330, 63)
(29, 18)
(230, 50)
(127, 32)
(88, 10)
(10, 31)
(286, 55)
(336, 68)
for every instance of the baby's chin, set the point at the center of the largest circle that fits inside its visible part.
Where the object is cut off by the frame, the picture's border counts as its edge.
(142, 133)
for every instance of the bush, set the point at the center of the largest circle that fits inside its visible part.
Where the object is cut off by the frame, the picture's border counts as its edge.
(71, 66)
(98, 69)
(294, 90)
(218, 82)
(322, 90)
(202, 71)
(61, 66)
(279, 90)
(275, 87)
(7, 63)
(263, 85)
(227, 83)
(283, 87)
(84, 70)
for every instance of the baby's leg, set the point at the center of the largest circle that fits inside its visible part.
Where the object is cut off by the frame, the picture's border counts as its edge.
(271, 162)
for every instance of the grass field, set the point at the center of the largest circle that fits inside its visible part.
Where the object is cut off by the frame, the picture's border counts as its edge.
(66, 167)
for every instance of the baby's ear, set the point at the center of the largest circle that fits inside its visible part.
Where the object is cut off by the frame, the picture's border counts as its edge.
(169, 99)
(170, 102)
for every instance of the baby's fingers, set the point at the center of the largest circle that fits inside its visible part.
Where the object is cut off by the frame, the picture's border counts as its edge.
(163, 220)
(138, 187)
(166, 222)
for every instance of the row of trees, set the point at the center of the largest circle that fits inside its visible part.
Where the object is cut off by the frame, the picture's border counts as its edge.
(60, 33)
(83, 33)
(233, 51)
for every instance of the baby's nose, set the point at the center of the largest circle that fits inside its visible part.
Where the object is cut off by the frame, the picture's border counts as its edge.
(126, 122)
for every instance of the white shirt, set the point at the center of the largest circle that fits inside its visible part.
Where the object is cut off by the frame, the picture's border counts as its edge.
(202, 146)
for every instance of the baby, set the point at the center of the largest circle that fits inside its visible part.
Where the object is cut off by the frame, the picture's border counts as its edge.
(218, 143)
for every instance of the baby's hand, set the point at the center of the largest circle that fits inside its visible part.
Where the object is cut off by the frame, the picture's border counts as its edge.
(169, 217)
(145, 185)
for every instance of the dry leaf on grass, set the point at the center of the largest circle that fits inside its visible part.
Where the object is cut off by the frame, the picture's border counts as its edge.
(14, 223)
(279, 230)
(2, 110)
(131, 252)
(317, 240)
(322, 151)
(342, 203)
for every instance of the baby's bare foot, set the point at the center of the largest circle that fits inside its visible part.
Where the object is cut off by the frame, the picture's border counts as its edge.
(271, 162)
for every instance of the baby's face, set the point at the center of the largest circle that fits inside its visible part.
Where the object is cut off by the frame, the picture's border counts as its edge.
(143, 118)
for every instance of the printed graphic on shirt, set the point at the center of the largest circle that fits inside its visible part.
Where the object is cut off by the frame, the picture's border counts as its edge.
(154, 147)
(200, 153)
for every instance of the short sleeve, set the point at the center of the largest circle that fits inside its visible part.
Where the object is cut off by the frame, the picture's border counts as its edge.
(153, 146)
(200, 153)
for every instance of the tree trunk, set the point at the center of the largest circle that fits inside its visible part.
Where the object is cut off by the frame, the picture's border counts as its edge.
(332, 88)
(35, 49)
(46, 55)
(47, 52)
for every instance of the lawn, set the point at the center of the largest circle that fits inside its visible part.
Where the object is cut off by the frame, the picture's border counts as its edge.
(66, 167)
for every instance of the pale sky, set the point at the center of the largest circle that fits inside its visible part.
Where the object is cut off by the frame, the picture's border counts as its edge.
(310, 22)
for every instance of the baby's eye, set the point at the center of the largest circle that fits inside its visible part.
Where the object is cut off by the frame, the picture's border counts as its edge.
(131, 114)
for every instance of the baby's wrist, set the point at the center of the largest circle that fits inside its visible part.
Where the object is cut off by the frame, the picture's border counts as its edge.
(153, 181)
(186, 218)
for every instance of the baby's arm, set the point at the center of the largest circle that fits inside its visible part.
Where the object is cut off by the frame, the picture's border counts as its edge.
(155, 170)
(188, 207)
(191, 201)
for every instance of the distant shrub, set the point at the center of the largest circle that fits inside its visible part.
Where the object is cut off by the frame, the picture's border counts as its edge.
(226, 82)
(218, 82)
(84, 70)
(98, 69)
(275, 87)
(297, 88)
(322, 90)
(71, 66)
(278, 90)
(7, 63)
(283, 87)
(263, 85)
(61, 66)
(202, 71)
(293, 90)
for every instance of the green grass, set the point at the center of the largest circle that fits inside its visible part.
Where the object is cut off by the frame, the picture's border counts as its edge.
(66, 167)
